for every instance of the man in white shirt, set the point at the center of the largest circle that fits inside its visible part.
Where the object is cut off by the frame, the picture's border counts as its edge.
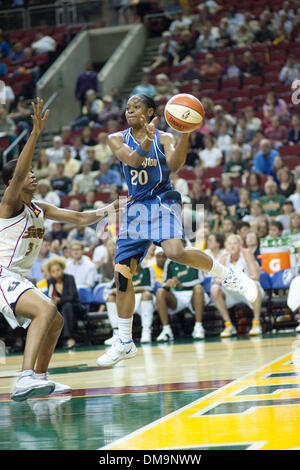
(71, 166)
(43, 44)
(211, 156)
(295, 197)
(56, 152)
(81, 267)
(85, 181)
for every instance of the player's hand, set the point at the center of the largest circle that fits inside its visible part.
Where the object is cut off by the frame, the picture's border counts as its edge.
(39, 121)
(113, 208)
(150, 127)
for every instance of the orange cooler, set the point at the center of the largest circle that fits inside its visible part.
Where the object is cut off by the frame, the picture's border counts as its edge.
(274, 258)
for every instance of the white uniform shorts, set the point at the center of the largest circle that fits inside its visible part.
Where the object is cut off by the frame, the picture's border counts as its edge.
(293, 300)
(233, 298)
(12, 286)
(184, 300)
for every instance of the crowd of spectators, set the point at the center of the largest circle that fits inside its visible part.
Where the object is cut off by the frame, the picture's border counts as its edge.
(235, 165)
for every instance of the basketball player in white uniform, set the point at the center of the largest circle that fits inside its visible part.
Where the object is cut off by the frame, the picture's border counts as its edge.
(224, 298)
(21, 231)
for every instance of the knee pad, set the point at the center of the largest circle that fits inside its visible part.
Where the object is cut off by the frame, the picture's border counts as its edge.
(124, 273)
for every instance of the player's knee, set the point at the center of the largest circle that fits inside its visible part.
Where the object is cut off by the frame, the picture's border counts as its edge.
(161, 293)
(174, 253)
(111, 298)
(146, 296)
(123, 275)
(49, 311)
(198, 290)
(215, 290)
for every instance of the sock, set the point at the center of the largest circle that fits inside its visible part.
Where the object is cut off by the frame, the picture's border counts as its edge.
(198, 323)
(219, 270)
(147, 314)
(41, 376)
(125, 329)
(25, 373)
(255, 322)
(166, 327)
(112, 314)
(227, 323)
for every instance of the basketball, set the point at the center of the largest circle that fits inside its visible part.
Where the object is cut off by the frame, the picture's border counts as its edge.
(184, 113)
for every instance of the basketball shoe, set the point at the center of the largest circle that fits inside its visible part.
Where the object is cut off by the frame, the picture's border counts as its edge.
(198, 332)
(256, 329)
(239, 282)
(27, 386)
(229, 330)
(166, 334)
(59, 388)
(117, 352)
(146, 335)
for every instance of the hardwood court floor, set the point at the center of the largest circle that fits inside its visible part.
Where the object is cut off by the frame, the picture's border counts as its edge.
(212, 394)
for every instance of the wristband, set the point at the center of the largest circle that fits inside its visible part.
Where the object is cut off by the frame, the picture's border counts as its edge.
(140, 151)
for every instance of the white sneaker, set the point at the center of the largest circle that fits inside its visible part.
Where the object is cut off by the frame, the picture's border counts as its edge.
(256, 330)
(59, 388)
(228, 331)
(110, 341)
(116, 353)
(29, 387)
(198, 332)
(146, 335)
(242, 284)
(165, 335)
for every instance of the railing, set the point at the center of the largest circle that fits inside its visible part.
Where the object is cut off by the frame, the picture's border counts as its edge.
(63, 13)
(25, 132)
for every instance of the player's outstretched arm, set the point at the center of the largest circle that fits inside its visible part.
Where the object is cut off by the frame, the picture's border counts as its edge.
(175, 152)
(82, 218)
(25, 158)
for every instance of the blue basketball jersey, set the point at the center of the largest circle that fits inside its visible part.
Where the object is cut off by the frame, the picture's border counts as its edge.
(152, 177)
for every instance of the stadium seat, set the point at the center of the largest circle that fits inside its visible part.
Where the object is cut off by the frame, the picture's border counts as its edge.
(85, 295)
(282, 279)
(206, 284)
(265, 280)
(289, 150)
(98, 293)
(157, 285)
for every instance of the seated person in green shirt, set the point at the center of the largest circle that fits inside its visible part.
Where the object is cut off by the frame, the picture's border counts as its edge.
(143, 282)
(271, 202)
(236, 167)
(181, 289)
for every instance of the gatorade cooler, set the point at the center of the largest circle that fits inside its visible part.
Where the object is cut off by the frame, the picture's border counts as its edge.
(275, 255)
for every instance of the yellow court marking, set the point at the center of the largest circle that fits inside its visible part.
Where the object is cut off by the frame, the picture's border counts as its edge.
(266, 418)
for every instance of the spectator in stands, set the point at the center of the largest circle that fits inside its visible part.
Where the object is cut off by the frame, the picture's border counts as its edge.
(91, 108)
(264, 159)
(219, 116)
(45, 194)
(165, 57)
(263, 226)
(191, 72)
(267, 116)
(64, 294)
(287, 210)
(165, 88)
(21, 114)
(56, 152)
(224, 39)
(265, 33)
(211, 156)
(60, 183)
(286, 185)
(294, 226)
(244, 36)
(295, 197)
(102, 150)
(224, 298)
(253, 123)
(250, 68)
(43, 44)
(78, 150)
(215, 245)
(256, 211)
(243, 207)
(236, 167)
(5, 48)
(231, 69)
(224, 139)
(86, 80)
(241, 229)
(87, 138)
(43, 167)
(254, 186)
(179, 184)
(290, 71)
(280, 107)
(17, 52)
(272, 201)
(43, 256)
(57, 232)
(80, 266)
(85, 181)
(100, 253)
(145, 87)
(227, 192)
(7, 125)
(3, 66)
(275, 229)
(210, 70)
(277, 133)
(66, 135)
(89, 201)
(179, 24)
(107, 177)
(108, 265)
(71, 165)
(90, 153)
(206, 41)
(198, 195)
(244, 147)
(294, 130)
(253, 245)
(108, 112)
(241, 127)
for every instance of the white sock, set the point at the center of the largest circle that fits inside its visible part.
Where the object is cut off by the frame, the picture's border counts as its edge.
(25, 373)
(125, 329)
(167, 327)
(41, 376)
(219, 270)
(147, 314)
(198, 323)
(112, 314)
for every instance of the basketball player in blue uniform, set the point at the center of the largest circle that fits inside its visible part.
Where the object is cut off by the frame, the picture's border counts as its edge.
(153, 214)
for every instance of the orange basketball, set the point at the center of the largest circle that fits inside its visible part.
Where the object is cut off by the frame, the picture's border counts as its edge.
(184, 113)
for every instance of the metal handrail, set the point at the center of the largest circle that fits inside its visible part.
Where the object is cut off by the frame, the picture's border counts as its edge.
(25, 131)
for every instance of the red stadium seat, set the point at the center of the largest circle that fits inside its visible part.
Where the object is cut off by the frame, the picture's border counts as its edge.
(231, 83)
(213, 172)
(240, 93)
(187, 174)
(252, 81)
(65, 200)
(290, 150)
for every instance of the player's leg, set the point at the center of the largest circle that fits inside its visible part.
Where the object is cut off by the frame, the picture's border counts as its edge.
(146, 312)
(219, 299)
(165, 300)
(112, 313)
(256, 326)
(196, 258)
(123, 348)
(197, 301)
